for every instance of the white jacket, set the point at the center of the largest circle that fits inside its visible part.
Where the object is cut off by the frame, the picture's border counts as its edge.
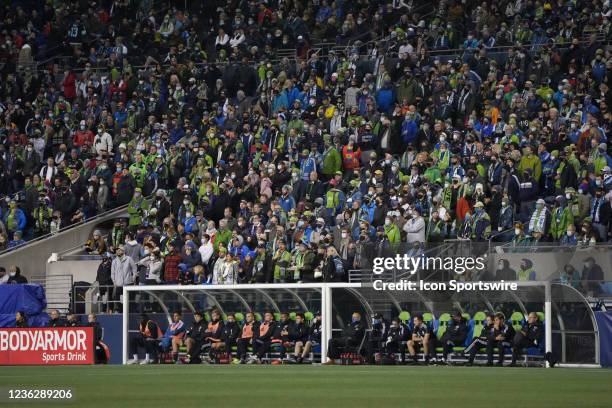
(103, 141)
(415, 229)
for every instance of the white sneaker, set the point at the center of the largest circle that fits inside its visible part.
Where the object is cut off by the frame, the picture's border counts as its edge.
(132, 361)
(145, 362)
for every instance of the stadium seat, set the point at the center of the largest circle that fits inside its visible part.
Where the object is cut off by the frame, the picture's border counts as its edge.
(404, 317)
(466, 316)
(239, 317)
(277, 316)
(517, 319)
(428, 318)
(258, 316)
(309, 316)
(442, 324)
(540, 316)
(292, 316)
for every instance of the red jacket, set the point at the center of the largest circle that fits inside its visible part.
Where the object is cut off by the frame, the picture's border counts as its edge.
(351, 158)
(70, 86)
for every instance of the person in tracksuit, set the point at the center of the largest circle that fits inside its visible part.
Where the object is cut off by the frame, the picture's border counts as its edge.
(501, 336)
(380, 329)
(249, 333)
(421, 334)
(397, 338)
(230, 333)
(455, 335)
(262, 342)
(353, 335)
(281, 333)
(213, 336)
(194, 337)
(314, 335)
(480, 341)
(530, 335)
(298, 335)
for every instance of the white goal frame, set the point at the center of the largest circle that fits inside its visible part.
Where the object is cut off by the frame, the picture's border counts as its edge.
(326, 304)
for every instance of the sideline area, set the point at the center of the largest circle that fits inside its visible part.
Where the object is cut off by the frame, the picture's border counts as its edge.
(308, 386)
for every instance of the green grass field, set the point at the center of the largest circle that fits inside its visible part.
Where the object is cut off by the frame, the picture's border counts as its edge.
(314, 386)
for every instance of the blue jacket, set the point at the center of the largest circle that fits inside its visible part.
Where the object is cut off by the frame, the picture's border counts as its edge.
(385, 99)
(20, 217)
(288, 203)
(410, 130)
(191, 224)
(307, 166)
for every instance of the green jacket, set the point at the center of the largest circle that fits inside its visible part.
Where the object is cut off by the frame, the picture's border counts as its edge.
(282, 262)
(560, 220)
(223, 237)
(136, 209)
(531, 162)
(332, 161)
(393, 233)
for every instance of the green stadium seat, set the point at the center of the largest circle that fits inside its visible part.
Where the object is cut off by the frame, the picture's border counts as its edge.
(224, 317)
(428, 318)
(480, 317)
(443, 322)
(404, 317)
(517, 319)
(292, 316)
(308, 316)
(277, 316)
(540, 316)
(239, 317)
(258, 316)
(466, 316)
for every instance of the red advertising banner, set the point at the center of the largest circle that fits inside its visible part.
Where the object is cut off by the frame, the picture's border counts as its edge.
(46, 346)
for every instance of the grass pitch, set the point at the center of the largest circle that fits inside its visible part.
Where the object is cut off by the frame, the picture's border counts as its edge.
(312, 386)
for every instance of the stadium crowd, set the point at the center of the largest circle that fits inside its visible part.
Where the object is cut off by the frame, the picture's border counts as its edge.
(240, 163)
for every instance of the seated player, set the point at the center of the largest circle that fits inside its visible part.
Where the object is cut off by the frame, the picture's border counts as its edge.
(500, 336)
(530, 335)
(353, 335)
(281, 334)
(194, 337)
(298, 335)
(454, 335)
(421, 334)
(230, 333)
(314, 337)
(213, 336)
(247, 336)
(480, 341)
(263, 339)
(397, 338)
(378, 335)
(148, 338)
(173, 338)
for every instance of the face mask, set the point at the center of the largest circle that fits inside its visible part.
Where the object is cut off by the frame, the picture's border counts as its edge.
(387, 221)
(83, 127)
(12, 274)
(570, 233)
(188, 215)
(152, 257)
(90, 190)
(186, 202)
(29, 149)
(354, 320)
(344, 235)
(568, 196)
(517, 231)
(147, 252)
(500, 267)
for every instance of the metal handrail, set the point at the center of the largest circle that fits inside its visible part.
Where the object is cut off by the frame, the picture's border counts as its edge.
(66, 228)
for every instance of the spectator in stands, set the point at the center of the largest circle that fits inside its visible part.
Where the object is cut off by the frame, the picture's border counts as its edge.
(4, 277)
(352, 338)
(123, 273)
(15, 276)
(21, 320)
(592, 276)
(104, 280)
(96, 245)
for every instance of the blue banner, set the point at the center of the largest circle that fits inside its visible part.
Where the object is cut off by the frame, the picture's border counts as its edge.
(27, 298)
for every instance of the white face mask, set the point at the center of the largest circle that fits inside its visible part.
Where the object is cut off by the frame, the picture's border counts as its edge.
(152, 257)
(500, 267)
(186, 202)
(517, 231)
(90, 190)
(12, 274)
(188, 215)
(570, 233)
(568, 196)
(387, 221)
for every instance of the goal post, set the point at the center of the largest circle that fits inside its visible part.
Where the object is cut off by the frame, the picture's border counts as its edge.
(330, 299)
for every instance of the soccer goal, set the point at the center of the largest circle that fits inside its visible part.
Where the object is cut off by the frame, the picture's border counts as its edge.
(556, 306)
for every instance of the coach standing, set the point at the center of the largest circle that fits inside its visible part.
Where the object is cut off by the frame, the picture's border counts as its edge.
(123, 270)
